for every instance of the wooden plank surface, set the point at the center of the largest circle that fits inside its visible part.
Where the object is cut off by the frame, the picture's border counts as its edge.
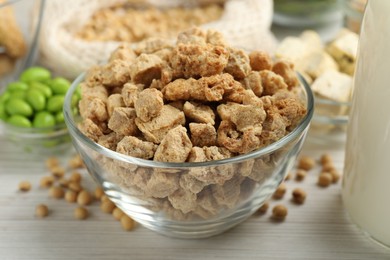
(319, 229)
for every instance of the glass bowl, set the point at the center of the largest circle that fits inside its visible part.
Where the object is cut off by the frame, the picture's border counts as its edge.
(39, 141)
(304, 13)
(329, 123)
(23, 19)
(235, 188)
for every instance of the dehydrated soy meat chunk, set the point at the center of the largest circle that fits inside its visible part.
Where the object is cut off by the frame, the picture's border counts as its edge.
(174, 147)
(145, 68)
(133, 146)
(148, 104)
(156, 129)
(203, 134)
(194, 60)
(122, 121)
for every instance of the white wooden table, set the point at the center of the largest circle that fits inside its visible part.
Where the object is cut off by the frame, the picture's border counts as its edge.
(319, 229)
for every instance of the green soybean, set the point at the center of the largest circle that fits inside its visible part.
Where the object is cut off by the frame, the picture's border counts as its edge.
(75, 100)
(36, 99)
(4, 97)
(55, 103)
(75, 111)
(43, 119)
(18, 120)
(60, 117)
(17, 85)
(59, 85)
(3, 114)
(46, 90)
(20, 107)
(18, 94)
(35, 74)
(78, 91)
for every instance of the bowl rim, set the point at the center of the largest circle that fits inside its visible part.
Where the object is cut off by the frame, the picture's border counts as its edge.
(79, 136)
(34, 132)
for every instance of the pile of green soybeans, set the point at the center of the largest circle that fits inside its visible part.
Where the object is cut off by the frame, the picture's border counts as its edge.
(35, 100)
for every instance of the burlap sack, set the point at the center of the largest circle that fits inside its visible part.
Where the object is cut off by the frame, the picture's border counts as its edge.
(245, 23)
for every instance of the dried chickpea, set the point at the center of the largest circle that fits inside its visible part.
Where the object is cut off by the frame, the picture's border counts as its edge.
(81, 213)
(75, 177)
(324, 179)
(24, 186)
(76, 162)
(75, 186)
(51, 162)
(279, 212)
(56, 192)
(84, 198)
(299, 196)
(99, 192)
(306, 163)
(127, 223)
(288, 176)
(41, 211)
(57, 171)
(280, 191)
(326, 158)
(263, 209)
(107, 206)
(46, 181)
(300, 175)
(117, 213)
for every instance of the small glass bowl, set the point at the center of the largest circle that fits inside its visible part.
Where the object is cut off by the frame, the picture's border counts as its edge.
(354, 10)
(39, 141)
(140, 187)
(329, 122)
(303, 13)
(28, 17)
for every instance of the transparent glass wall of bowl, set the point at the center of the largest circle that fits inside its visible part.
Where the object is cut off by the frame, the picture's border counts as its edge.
(354, 10)
(28, 15)
(228, 191)
(307, 13)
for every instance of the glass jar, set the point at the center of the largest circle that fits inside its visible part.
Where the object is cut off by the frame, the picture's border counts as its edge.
(366, 177)
(18, 48)
(303, 13)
